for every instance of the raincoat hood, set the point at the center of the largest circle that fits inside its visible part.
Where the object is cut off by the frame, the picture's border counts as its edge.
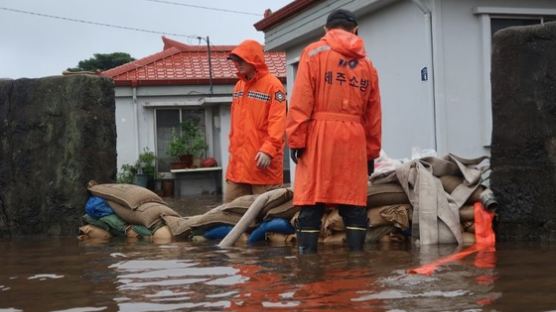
(345, 43)
(252, 52)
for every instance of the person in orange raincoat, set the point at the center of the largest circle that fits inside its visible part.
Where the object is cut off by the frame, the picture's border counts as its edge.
(258, 122)
(334, 131)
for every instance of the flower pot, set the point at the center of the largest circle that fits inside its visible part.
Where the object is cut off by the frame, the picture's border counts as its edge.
(168, 188)
(187, 160)
(141, 180)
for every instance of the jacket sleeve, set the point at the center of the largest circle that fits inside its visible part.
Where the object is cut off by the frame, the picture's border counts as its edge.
(373, 118)
(274, 141)
(301, 104)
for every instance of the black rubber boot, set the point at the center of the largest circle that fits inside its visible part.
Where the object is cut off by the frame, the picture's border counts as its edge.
(307, 241)
(355, 238)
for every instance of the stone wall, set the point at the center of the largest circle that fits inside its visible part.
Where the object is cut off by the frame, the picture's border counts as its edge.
(56, 134)
(524, 132)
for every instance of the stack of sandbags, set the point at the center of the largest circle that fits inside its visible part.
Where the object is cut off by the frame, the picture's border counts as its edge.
(388, 210)
(466, 212)
(138, 213)
(279, 205)
(437, 189)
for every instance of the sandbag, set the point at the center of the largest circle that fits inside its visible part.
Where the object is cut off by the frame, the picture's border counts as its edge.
(92, 231)
(128, 195)
(399, 215)
(147, 214)
(468, 226)
(385, 194)
(182, 227)
(162, 235)
(450, 182)
(280, 239)
(466, 213)
(285, 210)
(383, 233)
(468, 238)
(276, 198)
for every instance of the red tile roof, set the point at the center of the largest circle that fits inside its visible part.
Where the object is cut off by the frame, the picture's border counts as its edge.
(283, 14)
(180, 63)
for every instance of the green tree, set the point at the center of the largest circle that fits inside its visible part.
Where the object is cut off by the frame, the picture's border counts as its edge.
(103, 62)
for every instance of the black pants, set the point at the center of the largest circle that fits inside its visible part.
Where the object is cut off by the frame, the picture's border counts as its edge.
(310, 216)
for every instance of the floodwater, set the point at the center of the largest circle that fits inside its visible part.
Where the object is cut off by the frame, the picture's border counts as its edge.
(65, 274)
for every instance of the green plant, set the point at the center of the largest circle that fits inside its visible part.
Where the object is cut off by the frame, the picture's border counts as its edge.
(146, 163)
(190, 140)
(126, 174)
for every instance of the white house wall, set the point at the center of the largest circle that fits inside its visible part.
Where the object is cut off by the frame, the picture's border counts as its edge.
(135, 125)
(397, 43)
(126, 131)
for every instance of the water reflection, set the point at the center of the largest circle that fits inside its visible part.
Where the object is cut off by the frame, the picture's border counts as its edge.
(66, 275)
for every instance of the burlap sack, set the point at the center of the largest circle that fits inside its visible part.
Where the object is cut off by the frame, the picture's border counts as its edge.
(468, 238)
(147, 214)
(338, 238)
(281, 239)
(468, 226)
(162, 235)
(378, 233)
(467, 213)
(385, 194)
(128, 195)
(182, 227)
(450, 182)
(241, 204)
(398, 215)
(286, 210)
(92, 231)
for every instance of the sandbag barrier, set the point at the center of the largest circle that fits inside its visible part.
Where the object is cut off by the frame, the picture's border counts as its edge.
(389, 208)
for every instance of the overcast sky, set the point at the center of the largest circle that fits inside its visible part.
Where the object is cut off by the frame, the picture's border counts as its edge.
(34, 45)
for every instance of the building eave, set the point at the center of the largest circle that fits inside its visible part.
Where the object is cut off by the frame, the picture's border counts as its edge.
(283, 14)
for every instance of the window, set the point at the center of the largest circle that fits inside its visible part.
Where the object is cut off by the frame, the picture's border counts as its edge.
(168, 121)
(498, 23)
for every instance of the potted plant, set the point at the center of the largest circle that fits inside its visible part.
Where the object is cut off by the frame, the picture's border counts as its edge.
(142, 172)
(127, 174)
(145, 168)
(187, 144)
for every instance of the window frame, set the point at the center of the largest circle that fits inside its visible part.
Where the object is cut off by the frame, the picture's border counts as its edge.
(208, 126)
(486, 14)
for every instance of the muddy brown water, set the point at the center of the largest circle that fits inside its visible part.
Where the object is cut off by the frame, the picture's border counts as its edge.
(65, 274)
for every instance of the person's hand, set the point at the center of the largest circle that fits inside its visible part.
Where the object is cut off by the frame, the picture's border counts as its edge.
(263, 160)
(370, 166)
(296, 154)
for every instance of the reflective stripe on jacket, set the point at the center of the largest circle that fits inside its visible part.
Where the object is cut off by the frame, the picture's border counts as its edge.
(258, 121)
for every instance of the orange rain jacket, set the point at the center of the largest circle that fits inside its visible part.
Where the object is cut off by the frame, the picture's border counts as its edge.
(335, 115)
(258, 122)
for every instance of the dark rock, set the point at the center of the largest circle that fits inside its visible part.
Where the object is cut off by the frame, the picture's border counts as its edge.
(524, 131)
(57, 133)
